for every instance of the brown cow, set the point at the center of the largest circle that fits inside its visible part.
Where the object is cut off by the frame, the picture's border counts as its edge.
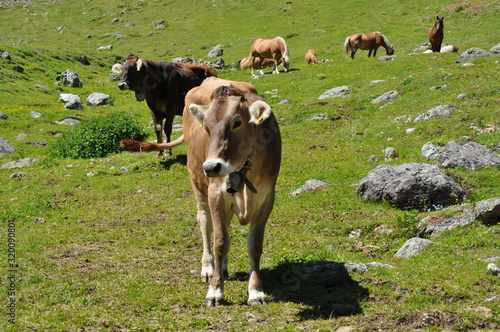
(311, 57)
(164, 86)
(234, 155)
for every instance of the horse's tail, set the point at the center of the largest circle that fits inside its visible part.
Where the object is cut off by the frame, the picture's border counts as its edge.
(347, 47)
(131, 145)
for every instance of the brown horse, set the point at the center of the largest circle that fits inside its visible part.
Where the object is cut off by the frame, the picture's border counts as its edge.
(311, 57)
(246, 64)
(275, 49)
(436, 34)
(371, 41)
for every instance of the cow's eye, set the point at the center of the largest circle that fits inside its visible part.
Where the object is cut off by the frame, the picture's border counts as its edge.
(237, 124)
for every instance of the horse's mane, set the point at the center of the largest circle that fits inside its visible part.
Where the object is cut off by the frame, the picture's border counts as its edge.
(386, 41)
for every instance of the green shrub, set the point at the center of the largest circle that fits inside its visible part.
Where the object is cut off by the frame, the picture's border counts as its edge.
(98, 137)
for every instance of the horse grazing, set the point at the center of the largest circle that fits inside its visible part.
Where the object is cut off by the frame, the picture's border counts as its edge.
(370, 41)
(436, 34)
(311, 57)
(274, 49)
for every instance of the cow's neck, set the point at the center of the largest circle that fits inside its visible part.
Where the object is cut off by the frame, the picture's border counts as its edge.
(236, 180)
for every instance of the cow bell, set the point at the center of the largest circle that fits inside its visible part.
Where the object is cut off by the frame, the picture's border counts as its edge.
(140, 96)
(234, 183)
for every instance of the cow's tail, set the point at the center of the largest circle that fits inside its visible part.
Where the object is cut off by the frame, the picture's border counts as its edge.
(347, 47)
(136, 146)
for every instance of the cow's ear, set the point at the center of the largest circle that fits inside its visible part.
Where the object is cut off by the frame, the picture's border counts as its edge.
(259, 112)
(198, 111)
(139, 64)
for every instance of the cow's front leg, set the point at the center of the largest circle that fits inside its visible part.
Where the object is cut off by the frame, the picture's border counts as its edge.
(205, 222)
(158, 131)
(221, 217)
(167, 128)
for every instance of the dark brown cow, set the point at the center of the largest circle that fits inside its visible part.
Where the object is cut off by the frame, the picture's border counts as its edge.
(164, 86)
(234, 155)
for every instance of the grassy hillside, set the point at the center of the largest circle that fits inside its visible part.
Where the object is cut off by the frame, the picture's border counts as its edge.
(120, 251)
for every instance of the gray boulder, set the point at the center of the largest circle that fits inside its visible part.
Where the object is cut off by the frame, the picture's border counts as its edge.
(97, 99)
(411, 186)
(486, 211)
(216, 51)
(3, 116)
(335, 92)
(413, 247)
(438, 111)
(19, 163)
(69, 77)
(474, 53)
(495, 48)
(386, 97)
(6, 147)
(469, 155)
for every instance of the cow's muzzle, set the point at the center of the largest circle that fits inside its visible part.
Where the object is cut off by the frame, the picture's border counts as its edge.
(123, 86)
(216, 167)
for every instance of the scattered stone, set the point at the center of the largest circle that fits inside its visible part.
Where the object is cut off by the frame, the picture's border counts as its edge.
(386, 58)
(19, 163)
(90, 174)
(373, 158)
(430, 151)
(21, 137)
(69, 77)
(6, 147)
(410, 186)
(44, 88)
(486, 211)
(386, 97)
(495, 269)
(35, 114)
(474, 53)
(468, 64)
(40, 221)
(469, 155)
(216, 51)
(17, 175)
(310, 185)
(439, 111)
(413, 247)
(495, 48)
(124, 170)
(68, 122)
(284, 102)
(410, 130)
(390, 154)
(73, 105)
(462, 96)
(335, 92)
(97, 99)
(376, 81)
(321, 116)
(105, 48)
(84, 60)
(3, 116)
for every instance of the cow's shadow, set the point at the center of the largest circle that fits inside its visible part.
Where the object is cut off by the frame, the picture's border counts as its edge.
(327, 291)
(167, 162)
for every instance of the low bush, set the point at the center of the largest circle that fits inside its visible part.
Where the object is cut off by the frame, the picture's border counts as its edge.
(98, 137)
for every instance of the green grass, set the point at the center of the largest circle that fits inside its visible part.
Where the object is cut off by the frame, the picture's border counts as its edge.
(121, 251)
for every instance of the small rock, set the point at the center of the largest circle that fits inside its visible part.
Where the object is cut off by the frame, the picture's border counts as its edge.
(310, 185)
(495, 269)
(413, 247)
(335, 92)
(3, 116)
(17, 175)
(35, 115)
(391, 154)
